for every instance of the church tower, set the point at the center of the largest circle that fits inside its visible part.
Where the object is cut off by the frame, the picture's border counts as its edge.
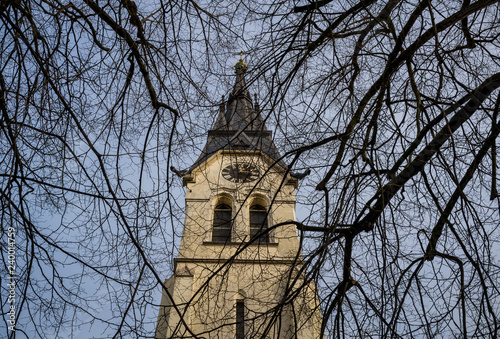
(239, 271)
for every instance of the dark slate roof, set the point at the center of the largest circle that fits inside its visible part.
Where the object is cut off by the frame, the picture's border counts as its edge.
(239, 126)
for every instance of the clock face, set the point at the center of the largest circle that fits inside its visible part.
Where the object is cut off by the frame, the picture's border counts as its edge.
(241, 173)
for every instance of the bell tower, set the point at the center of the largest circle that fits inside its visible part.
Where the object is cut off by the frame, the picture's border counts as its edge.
(239, 271)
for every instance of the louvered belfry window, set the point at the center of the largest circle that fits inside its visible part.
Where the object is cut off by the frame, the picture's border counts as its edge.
(222, 223)
(258, 223)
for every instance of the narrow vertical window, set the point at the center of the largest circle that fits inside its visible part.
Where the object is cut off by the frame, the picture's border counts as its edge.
(222, 223)
(240, 319)
(258, 223)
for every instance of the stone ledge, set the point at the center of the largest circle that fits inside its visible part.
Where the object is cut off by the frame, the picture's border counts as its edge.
(240, 243)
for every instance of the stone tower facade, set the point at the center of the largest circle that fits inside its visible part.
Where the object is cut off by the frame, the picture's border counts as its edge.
(239, 271)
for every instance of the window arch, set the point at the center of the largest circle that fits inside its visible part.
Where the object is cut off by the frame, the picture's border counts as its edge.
(258, 223)
(240, 314)
(240, 319)
(222, 223)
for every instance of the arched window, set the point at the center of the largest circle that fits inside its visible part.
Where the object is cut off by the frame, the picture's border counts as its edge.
(258, 223)
(222, 223)
(240, 319)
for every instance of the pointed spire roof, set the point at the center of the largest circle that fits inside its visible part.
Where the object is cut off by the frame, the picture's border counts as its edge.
(239, 125)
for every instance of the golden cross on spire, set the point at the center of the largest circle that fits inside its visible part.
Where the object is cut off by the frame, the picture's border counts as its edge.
(240, 53)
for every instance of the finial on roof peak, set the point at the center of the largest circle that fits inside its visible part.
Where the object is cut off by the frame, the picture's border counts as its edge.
(241, 66)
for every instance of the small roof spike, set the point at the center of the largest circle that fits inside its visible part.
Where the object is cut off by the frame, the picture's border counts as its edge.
(241, 66)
